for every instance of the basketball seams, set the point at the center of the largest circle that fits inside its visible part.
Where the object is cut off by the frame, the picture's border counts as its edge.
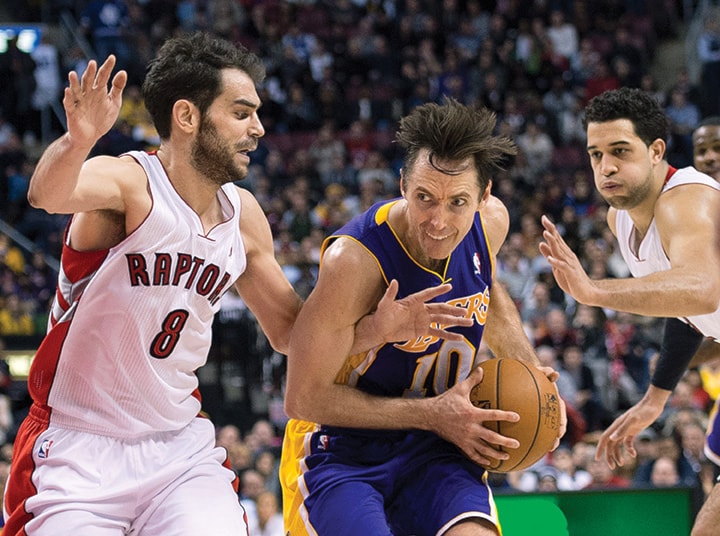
(537, 421)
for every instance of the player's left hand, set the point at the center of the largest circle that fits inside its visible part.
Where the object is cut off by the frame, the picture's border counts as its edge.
(567, 269)
(553, 376)
(413, 316)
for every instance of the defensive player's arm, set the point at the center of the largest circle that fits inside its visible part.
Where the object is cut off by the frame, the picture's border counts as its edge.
(263, 286)
(687, 221)
(680, 342)
(323, 337)
(63, 182)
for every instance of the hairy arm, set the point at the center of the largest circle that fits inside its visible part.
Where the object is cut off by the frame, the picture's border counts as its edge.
(686, 218)
(263, 286)
(63, 181)
(504, 333)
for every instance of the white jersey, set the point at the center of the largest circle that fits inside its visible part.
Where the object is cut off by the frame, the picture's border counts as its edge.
(650, 256)
(131, 324)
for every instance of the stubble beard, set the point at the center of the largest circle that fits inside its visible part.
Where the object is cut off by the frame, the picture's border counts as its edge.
(211, 156)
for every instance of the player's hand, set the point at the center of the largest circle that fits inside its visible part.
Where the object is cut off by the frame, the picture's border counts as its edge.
(621, 433)
(461, 423)
(567, 269)
(412, 317)
(90, 107)
(553, 376)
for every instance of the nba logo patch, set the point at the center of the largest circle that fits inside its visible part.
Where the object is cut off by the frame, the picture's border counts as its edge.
(44, 450)
(323, 442)
(476, 263)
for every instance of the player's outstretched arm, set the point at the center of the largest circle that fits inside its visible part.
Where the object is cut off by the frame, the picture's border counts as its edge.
(91, 109)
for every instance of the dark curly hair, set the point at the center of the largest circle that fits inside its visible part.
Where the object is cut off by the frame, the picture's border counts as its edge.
(643, 111)
(453, 131)
(189, 67)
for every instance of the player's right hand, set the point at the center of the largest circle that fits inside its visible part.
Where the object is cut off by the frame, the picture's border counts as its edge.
(621, 433)
(461, 423)
(90, 107)
(416, 316)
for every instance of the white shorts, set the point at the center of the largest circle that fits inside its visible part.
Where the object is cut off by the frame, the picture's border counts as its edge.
(170, 484)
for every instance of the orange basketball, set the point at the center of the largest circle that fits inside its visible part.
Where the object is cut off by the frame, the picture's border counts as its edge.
(513, 385)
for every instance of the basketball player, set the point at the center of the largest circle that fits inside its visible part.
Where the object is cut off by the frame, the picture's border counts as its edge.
(667, 226)
(397, 444)
(113, 444)
(706, 147)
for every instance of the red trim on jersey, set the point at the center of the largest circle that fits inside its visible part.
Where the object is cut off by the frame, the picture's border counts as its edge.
(45, 363)
(670, 172)
(21, 486)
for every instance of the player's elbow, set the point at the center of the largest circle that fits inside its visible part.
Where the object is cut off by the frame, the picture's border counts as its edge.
(296, 406)
(709, 296)
(303, 402)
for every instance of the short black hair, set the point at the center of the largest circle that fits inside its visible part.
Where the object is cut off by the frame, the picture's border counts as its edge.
(639, 107)
(189, 67)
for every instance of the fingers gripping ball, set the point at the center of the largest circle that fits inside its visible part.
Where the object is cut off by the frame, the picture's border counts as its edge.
(512, 385)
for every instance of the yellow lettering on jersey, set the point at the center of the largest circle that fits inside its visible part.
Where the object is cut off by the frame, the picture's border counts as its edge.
(476, 307)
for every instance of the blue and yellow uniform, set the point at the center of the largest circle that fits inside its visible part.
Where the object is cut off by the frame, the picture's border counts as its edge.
(381, 482)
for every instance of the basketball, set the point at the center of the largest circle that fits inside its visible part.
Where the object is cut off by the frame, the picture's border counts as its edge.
(513, 385)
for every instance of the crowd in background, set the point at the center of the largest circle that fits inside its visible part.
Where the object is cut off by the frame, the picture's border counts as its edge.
(340, 75)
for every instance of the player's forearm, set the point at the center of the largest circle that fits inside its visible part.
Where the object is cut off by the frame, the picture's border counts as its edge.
(346, 406)
(709, 351)
(679, 343)
(504, 333)
(56, 174)
(670, 293)
(367, 335)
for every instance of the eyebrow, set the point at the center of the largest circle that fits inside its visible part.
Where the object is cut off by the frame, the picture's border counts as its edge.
(613, 144)
(249, 104)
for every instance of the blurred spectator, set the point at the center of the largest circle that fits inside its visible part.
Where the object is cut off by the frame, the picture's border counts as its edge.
(17, 71)
(376, 168)
(668, 447)
(11, 255)
(225, 17)
(252, 485)
(538, 149)
(15, 319)
(708, 48)
(269, 516)
(106, 23)
(603, 477)
(571, 477)
(48, 89)
(684, 117)
(557, 333)
(562, 35)
(587, 397)
(664, 473)
(324, 149)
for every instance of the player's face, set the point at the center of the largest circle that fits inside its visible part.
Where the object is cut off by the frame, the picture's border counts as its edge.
(622, 164)
(229, 130)
(440, 206)
(706, 150)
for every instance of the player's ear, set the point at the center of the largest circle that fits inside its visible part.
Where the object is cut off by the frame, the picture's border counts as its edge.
(486, 194)
(186, 116)
(402, 182)
(657, 150)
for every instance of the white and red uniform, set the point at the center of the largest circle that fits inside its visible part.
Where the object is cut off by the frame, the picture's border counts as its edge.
(650, 258)
(114, 431)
